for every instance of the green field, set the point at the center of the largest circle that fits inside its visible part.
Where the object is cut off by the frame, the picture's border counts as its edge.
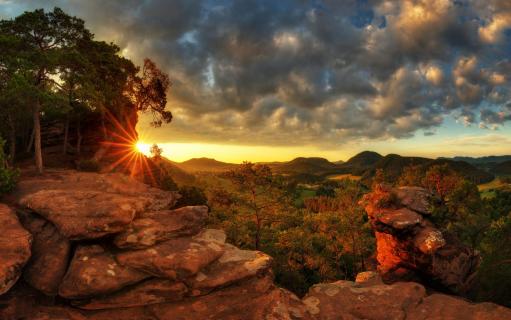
(344, 176)
(487, 190)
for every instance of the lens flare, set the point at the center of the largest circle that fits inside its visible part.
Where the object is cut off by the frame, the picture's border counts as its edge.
(142, 147)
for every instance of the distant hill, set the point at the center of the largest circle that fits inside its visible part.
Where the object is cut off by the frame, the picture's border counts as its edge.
(393, 166)
(503, 168)
(205, 165)
(315, 166)
(179, 175)
(485, 163)
(481, 160)
(361, 162)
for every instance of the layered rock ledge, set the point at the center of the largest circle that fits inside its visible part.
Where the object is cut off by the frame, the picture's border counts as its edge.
(74, 250)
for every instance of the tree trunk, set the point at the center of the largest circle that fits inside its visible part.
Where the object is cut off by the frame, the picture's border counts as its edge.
(12, 140)
(103, 125)
(31, 141)
(38, 154)
(66, 135)
(78, 137)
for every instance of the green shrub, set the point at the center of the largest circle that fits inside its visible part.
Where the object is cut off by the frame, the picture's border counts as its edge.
(88, 165)
(8, 176)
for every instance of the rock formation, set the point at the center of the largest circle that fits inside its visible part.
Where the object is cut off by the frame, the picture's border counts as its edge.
(108, 247)
(409, 246)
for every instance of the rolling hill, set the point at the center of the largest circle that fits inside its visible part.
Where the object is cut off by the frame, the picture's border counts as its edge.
(503, 168)
(364, 164)
(394, 164)
(360, 163)
(315, 166)
(180, 176)
(205, 165)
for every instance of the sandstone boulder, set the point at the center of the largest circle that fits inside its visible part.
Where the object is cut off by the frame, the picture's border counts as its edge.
(255, 299)
(441, 306)
(154, 227)
(50, 255)
(178, 258)
(117, 183)
(350, 300)
(15, 243)
(400, 219)
(94, 271)
(410, 247)
(85, 214)
(415, 198)
(233, 266)
(145, 293)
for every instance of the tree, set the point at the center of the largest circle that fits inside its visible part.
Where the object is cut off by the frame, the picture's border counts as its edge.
(412, 176)
(155, 151)
(42, 38)
(148, 92)
(260, 196)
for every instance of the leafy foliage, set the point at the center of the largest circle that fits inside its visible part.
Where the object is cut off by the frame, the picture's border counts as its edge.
(326, 239)
(8, 176)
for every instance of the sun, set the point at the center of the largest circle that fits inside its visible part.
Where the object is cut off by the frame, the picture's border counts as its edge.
(142, 147)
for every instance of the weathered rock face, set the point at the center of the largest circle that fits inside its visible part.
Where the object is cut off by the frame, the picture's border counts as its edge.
(94, 271)
(163, 264)
(50, 255)
(371, 299)
(146, 293)
(177, 258)
(233, 266)
(14, 248)
(90, 205)
(154, 227)
(55, 179)
(409, 246)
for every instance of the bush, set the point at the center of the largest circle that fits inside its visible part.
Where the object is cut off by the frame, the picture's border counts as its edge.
(8, 176)
(191, 196)
(88, 165)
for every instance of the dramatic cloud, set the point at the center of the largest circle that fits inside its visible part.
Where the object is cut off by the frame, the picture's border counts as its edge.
(280, 72)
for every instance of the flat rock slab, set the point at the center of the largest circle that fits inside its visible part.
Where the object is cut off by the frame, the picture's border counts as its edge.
(399, 219)
(15, 243)
(94, 271)
(441, 306)
(252, 300)
(415, 198)
(350, 300)
(85, 214)
(145, 293)
(154, 227)
(89, 181)
(233, 266)
(50, 255)
(177, 258)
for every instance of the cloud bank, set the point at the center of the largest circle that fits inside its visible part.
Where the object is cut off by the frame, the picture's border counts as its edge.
(314, 72)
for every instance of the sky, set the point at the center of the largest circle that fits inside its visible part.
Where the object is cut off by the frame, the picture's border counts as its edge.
(272, 80)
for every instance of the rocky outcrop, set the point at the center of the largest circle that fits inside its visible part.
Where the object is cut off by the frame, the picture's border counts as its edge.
(164, 264)
(409, 246)
(371, 299)
(15, 244)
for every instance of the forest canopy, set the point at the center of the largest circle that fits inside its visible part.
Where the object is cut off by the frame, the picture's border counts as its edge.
(52, 69)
